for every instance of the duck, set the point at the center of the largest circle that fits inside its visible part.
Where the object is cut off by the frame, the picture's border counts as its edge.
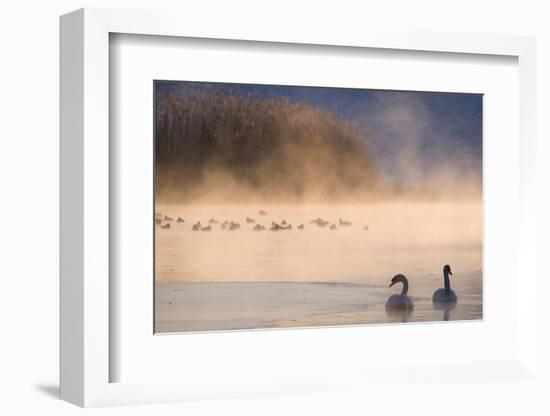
(262, 212)
(180, 219)
(320, 222)
(343, 223)
(250, 220)
(213, 221)
(446, 294)
(333, 227)
(401, 301)
(158, 221)
(259, 227)
(301, 227)
(225, 224)
(366, 228)
(234, 226)
(165, 226)
(207, 228)
(197, 226)
(275, 226)
(282, 226)
(167, 218)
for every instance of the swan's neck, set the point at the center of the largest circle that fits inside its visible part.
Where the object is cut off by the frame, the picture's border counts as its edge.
(447, 281)
(405, 287)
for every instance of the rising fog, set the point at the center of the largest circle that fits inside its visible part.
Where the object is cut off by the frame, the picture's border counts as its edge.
(214, 146)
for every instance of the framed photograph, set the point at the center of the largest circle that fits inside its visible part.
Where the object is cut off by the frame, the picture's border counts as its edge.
(272, 212)
(289, 206)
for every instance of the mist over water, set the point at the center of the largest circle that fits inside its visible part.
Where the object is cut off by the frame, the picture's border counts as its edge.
(217, 144)
(396, 189)
(402, 237)
(245, 279)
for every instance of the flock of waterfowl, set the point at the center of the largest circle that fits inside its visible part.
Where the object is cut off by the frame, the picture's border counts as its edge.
(164, 221)
(402, 301)
(444, 295)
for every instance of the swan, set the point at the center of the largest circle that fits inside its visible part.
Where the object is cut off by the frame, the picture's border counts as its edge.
(401, 301)
(445, 294)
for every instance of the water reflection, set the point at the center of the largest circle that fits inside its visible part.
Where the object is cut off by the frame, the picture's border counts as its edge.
(401, 315)
(446, 307)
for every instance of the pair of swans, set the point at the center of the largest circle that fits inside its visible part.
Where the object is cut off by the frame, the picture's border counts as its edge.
(441, 296)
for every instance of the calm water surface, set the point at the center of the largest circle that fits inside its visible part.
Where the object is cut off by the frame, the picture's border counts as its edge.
(245, 279)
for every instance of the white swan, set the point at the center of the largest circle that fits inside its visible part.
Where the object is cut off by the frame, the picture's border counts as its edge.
(445, 295)
(401, 301)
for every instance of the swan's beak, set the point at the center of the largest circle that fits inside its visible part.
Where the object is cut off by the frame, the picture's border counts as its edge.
(391, 284)
(450, 272)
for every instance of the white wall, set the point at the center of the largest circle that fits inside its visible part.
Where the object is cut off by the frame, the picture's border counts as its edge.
(29, 185)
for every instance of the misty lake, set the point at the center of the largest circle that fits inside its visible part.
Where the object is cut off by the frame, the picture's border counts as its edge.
(246, 279)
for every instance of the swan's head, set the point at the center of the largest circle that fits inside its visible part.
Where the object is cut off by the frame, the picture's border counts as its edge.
(398, 278)
(447, 269)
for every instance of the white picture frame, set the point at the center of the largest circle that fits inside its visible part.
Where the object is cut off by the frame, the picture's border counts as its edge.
(85, 221)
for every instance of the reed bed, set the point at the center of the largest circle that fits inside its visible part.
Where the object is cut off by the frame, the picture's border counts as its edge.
(211, 143)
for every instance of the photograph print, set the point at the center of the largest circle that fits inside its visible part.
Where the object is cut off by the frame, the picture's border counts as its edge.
(295, 206)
